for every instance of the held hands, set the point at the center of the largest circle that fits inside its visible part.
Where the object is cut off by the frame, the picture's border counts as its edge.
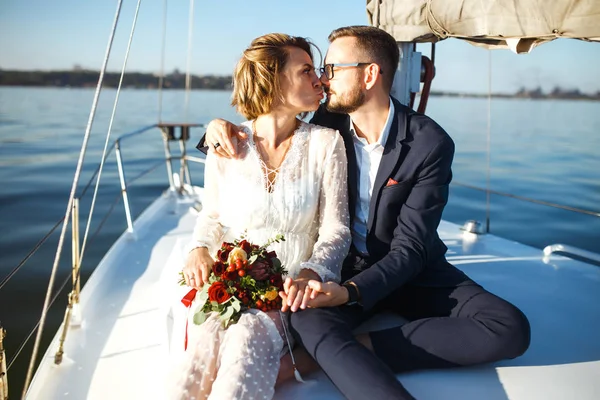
(326, 294)
(197, 267)
(222, 137)
(296, 293)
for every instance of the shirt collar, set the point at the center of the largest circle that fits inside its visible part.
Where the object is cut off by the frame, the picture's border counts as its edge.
(386, 128)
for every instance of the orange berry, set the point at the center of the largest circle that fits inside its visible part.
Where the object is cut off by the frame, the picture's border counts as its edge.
(241, 272)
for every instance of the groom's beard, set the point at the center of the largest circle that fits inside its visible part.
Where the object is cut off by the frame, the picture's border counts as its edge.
(345, 104)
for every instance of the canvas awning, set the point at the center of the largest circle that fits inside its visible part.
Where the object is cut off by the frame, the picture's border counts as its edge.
(519, 25)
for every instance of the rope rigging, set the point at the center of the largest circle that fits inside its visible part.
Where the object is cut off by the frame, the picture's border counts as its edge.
(84, 145)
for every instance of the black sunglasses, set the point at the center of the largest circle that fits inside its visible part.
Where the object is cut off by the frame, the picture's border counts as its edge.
(327, 70)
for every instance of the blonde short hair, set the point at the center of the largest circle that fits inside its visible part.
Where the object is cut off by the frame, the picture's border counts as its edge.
(256, 84)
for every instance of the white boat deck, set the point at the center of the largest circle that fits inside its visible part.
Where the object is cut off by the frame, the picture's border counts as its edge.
(121, 349)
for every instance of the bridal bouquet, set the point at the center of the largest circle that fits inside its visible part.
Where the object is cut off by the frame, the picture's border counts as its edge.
(243, 276)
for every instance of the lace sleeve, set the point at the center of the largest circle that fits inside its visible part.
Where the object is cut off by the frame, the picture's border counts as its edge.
(334, 233)
(208, 231)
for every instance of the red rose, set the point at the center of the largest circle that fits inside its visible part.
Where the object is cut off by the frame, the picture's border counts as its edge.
(230, 275)
(222, 255)
(244, 245)
(218, 268)
(218, 292)
(224, 251)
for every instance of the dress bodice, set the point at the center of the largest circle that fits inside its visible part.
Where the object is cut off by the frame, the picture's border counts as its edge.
(307, 202)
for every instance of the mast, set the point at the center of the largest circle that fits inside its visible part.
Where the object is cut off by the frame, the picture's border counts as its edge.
(407, 79)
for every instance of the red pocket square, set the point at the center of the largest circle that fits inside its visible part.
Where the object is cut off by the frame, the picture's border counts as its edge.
(391, 182)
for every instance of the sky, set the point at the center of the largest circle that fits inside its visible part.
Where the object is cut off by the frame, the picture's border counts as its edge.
(59, 34)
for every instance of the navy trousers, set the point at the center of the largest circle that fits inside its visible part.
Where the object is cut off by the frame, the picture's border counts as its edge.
(449, 327)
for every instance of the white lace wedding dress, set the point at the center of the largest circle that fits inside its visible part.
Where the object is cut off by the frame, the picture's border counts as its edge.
(307, 203)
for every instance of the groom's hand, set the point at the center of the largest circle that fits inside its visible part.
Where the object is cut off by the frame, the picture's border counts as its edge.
(327, 294)
(225, 136)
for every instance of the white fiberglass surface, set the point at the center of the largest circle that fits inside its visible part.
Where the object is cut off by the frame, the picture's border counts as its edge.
(560, 297)
(130, 326)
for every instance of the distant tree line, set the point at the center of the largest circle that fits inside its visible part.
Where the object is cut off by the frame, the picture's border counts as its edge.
(83, 78)
(556, 93)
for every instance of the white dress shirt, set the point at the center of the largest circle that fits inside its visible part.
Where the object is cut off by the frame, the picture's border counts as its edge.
(368, 158)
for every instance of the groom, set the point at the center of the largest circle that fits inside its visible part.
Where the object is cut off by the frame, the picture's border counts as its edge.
(399, 171)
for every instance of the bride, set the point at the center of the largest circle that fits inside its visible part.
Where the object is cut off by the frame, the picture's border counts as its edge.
(289, 178)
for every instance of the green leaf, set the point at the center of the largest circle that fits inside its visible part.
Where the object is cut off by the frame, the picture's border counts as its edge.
(203, 296)
(226, 316)
(224, 306)
(236, 305)
(181, 279)
(199, 318)
(276, 263)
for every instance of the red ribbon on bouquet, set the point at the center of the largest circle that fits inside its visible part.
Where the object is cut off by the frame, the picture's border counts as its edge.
(187, 301)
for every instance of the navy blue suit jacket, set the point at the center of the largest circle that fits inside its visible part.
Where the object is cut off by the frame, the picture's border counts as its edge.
(402, 240)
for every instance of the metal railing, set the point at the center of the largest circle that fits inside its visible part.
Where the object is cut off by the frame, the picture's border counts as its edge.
(572, 250)
(528, 199)
(553, 248)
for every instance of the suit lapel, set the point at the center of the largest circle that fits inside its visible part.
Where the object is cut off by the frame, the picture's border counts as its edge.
(341, 122)
(352, 166)
(391, 155)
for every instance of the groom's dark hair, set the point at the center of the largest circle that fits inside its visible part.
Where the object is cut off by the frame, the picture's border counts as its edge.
(376, 45)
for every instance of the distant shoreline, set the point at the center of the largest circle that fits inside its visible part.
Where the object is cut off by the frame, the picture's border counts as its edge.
(176, 80)
(549, 96)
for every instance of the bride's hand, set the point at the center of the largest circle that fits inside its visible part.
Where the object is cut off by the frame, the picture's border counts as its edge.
(296, 293)
(197, 267)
